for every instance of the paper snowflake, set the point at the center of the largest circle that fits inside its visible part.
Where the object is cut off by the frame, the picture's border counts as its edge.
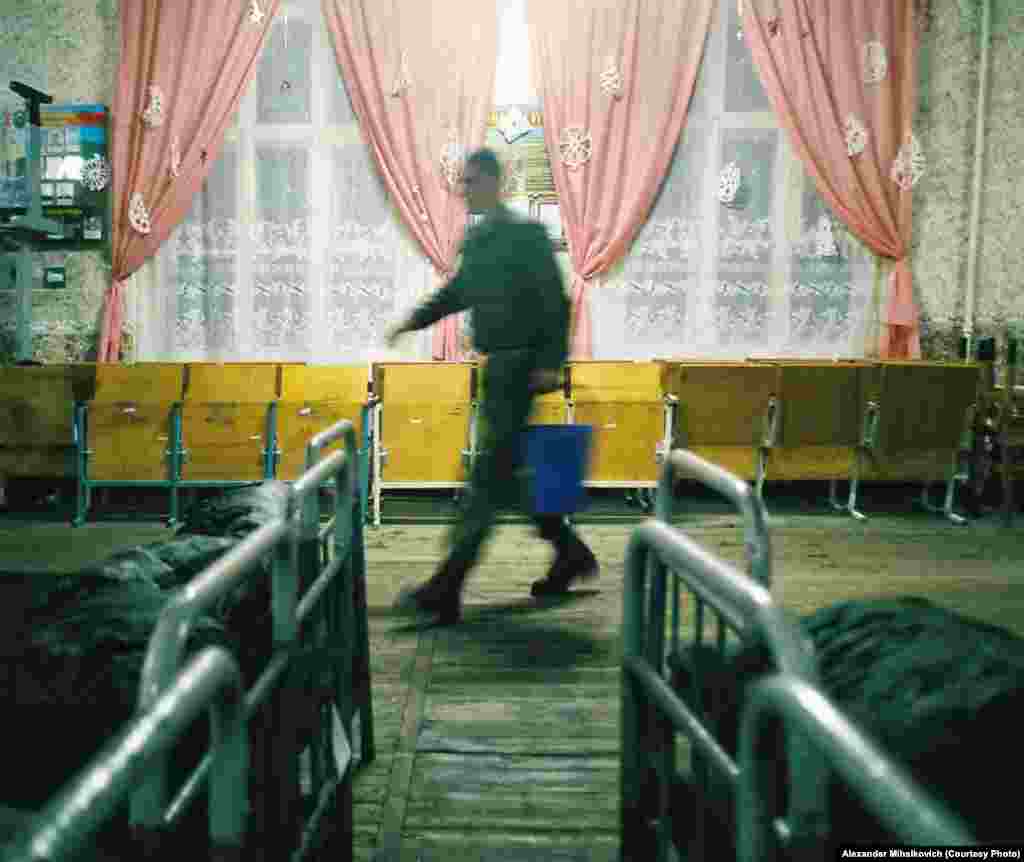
(138, 215)
(825, 239)
(729, 181)
(153, 116)
(96, 174)
(453, 160)
(575, 146)
(611, 80)
(256, 14)
(856, 136)
(909, 164)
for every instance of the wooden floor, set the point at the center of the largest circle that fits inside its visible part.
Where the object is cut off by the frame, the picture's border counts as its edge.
(499, 739)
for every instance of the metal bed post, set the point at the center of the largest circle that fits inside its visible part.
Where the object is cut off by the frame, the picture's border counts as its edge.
(211, 681)
(885, 788)
(349, 545)
(749, 609)
(166, 649)
(757, 541)
(651, 710)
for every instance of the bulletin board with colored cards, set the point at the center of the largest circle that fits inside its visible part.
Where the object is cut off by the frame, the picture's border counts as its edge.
(74, 171)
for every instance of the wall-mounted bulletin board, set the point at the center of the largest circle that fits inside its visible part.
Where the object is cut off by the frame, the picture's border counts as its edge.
(74, 172)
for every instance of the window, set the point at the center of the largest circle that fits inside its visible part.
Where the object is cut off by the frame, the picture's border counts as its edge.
(291, 251)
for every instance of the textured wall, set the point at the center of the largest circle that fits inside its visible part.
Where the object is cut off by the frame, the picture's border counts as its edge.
(75, 43)
(946, 124)
(78, 39)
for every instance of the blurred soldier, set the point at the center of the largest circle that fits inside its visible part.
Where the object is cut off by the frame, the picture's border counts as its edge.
(510, 281)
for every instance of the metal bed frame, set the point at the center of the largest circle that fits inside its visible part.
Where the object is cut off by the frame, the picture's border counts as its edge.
(331, 615)
(818, 741)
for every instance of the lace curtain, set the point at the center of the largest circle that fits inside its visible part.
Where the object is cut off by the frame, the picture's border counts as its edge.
(291, 251)
(766, 272)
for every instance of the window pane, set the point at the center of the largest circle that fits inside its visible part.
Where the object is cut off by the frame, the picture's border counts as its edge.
(743, 90)
(205, 249)
(281, 302)
(745, 235)
(284, 74)
(826, 309)
(361, 255)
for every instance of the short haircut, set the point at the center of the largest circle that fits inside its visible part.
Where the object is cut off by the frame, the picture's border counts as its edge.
(486, 161)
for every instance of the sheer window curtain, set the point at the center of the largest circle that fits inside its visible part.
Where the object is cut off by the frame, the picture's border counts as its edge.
(291, 251)
(759, 277)
(771, 273)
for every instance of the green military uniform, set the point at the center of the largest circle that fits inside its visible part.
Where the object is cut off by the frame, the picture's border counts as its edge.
(510, 282)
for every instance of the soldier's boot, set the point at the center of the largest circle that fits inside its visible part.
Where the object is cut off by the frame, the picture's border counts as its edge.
(573, 559)
(441, 596)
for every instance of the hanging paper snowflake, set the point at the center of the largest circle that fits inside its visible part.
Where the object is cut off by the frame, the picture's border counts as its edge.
(513, 124)
(611, 80)
(256, 15)
(909, 164)
(138, 215)
(402, 82)
(175, 159)
(856, 136)
(453, 159)
(153, 116)
(575, 146)
(729, 181)
(96, 174)
(875, 62)
(825, 239)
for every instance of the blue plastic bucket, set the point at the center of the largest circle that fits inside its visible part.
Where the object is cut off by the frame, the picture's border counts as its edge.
(556, 458)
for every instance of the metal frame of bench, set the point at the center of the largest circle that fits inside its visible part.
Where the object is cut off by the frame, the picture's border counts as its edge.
(177, 454)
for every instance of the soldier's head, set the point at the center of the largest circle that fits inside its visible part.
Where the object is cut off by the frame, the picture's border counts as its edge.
(481, 181)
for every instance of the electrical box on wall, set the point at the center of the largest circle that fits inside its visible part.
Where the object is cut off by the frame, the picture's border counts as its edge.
(74, 173)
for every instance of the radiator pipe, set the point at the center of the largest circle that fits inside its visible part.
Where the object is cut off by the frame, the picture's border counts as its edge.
(976, 186)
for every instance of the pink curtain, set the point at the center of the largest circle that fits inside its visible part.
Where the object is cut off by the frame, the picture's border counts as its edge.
(615, 79)
(184, 67)
(420, 75)
(833, 65)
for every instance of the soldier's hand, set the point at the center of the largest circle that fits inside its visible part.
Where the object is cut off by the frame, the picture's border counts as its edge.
(545, 380)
